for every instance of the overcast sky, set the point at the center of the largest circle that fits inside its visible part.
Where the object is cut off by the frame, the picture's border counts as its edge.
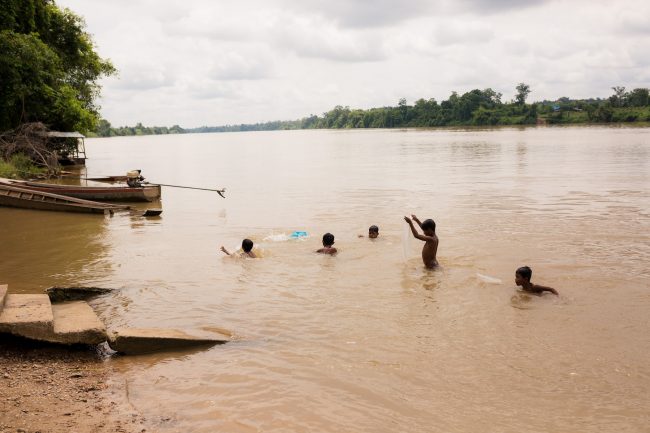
(217, 62)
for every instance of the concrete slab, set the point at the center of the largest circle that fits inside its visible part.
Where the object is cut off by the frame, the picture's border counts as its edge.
(61, 294)
(134, 341)
(27, 316)
(3, 294)
(76, 323)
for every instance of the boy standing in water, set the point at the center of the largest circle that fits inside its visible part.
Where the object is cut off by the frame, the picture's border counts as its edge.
(522, 278)
(430, 248)
(247, 246)
(328, 241)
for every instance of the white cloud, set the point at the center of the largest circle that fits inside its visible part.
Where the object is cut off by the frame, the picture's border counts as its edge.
(209, 62)
(362, 13)
(315, 38)
(455, 33)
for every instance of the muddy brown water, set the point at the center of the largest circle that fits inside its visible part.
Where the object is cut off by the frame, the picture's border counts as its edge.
(369, 340)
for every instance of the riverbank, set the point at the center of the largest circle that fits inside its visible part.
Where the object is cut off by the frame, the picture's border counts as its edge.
(44, 388)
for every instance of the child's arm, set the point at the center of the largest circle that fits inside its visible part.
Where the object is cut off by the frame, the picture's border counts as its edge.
(417, 220)
(543, 289)
(549, 289)
(415, 232)
(225, 250)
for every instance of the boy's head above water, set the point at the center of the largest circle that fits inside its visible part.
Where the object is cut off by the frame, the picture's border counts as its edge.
(328, 239)
(429, 227)
(523, 275)
(247, 245)
(373, 232)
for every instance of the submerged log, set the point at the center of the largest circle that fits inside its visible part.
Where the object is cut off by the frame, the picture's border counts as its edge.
(61, 294)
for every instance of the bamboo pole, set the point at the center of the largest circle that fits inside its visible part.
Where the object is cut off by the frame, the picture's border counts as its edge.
(218, 191)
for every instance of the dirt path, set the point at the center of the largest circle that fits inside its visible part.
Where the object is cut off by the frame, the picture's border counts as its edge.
(46, 388)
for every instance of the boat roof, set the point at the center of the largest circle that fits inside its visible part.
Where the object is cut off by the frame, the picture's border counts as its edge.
(65, 134)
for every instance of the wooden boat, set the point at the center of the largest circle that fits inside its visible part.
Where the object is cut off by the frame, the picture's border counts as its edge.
(13, 196)
(99, 193)
(110, 179)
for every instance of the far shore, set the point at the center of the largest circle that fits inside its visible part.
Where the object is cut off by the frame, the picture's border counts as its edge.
(636, 124)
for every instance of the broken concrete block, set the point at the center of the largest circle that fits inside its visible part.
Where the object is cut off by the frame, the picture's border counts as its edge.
(3, 294)
(134, 341)
(27, 316)
(75, 322)
(61, 294)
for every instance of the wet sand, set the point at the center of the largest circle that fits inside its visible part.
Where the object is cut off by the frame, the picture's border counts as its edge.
(45, 388)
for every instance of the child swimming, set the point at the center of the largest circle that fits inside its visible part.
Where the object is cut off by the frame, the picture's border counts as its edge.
(373, 232)
(328, 241)
(246, 246)
(522, 278)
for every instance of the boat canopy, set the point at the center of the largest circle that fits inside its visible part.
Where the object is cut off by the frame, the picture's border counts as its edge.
(65, 134)
(69, 154)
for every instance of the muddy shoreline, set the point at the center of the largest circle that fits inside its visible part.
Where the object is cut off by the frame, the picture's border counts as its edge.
(47, 388)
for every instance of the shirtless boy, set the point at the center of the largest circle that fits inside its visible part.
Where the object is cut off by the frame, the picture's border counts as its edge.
(246, 246)
(373, 232)
(328, 241)
(430, 248)
(522, 278)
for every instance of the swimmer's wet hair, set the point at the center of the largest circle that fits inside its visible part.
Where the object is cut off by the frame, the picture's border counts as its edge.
(328, 239)
(247, 245)
(525, 272)
(373, 229)
(429, 224)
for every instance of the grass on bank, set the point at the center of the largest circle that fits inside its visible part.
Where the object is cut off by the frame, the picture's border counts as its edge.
(19, 166)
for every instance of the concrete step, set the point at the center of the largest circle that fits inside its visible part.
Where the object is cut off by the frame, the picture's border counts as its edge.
(135, 341)
(3, 295)
(61, 294)
(75, 322)
(27, 316)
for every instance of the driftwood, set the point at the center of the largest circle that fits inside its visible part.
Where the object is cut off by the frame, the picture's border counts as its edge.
(31, 140)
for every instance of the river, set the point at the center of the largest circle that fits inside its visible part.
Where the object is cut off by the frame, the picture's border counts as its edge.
(368, 340)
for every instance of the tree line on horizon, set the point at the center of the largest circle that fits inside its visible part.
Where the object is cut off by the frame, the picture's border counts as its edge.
(474, 108)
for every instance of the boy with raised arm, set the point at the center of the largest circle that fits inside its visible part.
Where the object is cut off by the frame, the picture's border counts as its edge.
(430, 248)
(522, 278)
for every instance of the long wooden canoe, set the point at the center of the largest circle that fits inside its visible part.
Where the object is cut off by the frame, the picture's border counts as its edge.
(99, 193)
(109, 179)
(30, 199)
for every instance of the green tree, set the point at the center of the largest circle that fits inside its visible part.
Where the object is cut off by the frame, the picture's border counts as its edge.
(104, 128)
(619, 97)
(49, 69)
(523, 90)
(638, 98)
(30, 75)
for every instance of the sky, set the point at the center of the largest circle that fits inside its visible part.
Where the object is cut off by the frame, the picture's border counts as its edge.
(216, 62)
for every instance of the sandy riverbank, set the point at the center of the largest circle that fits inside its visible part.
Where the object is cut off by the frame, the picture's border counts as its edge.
(45, 388)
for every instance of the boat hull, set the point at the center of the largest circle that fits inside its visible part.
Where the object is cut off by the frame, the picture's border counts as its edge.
(28, 199)
(99, 193)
